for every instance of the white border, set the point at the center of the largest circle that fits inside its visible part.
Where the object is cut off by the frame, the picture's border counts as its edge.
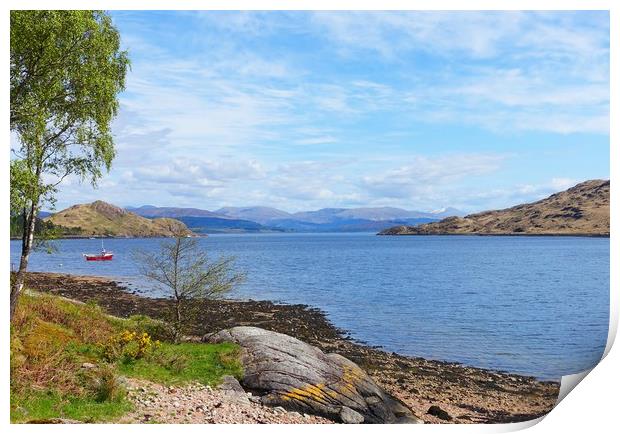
(592, 408)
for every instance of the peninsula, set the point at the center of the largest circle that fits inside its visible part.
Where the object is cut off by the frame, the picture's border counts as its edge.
(582, 210)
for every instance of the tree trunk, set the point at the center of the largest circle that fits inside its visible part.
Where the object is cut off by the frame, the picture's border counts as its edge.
(27, 239)
(178, 327)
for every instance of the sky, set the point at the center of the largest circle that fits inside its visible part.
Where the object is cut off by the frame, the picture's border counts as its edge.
(307, 110)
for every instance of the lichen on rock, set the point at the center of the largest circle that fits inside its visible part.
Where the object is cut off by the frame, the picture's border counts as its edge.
(287, 372)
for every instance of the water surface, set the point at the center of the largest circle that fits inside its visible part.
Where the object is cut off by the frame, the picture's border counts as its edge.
(530, 305)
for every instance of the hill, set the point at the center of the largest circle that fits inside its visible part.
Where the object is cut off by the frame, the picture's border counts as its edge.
(103, 219)
(580, 210)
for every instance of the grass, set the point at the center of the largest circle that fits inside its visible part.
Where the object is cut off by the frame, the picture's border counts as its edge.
(40, 406)
(187, 362)
(52, 337)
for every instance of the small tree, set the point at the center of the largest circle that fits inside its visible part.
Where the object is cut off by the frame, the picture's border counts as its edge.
(182, 269)
(67, 69)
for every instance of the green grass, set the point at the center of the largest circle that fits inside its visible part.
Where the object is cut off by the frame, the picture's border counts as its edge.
(187, 362)
(36, 406)
(51, 338)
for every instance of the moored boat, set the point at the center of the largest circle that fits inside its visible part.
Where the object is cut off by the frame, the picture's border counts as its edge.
(103, 256)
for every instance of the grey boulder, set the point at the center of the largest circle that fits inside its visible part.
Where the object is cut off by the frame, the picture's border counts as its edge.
(297, 376)
(232, 391)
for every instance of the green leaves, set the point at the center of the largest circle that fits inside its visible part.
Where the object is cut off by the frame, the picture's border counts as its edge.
(67, 69)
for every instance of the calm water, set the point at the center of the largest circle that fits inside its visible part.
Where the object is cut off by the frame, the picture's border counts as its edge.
(529, 305)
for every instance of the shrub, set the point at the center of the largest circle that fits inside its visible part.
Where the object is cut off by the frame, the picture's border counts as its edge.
(157, 329)
(105, 384)
(129, 346)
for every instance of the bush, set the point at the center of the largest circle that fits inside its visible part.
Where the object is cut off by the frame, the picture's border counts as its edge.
(157, 329)
(128, 346)
(105, 384)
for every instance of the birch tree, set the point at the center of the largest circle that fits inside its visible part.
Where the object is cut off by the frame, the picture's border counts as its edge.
(67, 69)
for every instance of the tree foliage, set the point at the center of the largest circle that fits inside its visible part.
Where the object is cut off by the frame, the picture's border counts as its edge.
(183, 270)
(67, 69)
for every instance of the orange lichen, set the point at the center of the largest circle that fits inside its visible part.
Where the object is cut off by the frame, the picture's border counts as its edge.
(320, 392)
(313, 392)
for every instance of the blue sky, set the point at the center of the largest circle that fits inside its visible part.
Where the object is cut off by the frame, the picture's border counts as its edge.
(305, 110)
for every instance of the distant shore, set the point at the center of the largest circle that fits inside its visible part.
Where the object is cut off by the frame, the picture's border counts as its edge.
(104, 237)
(82, 237)
(508, 234)
(469, 395)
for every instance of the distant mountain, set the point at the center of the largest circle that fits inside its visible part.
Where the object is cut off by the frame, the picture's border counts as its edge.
(266, 219)
(213, 225)
(259, 214)
(332, 215)
(343, 225)
(103, 219)
(173, 212)
(447, 212)
(580, 210)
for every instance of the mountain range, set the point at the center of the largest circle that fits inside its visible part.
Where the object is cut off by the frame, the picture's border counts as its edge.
(267, 219)
(580, 210)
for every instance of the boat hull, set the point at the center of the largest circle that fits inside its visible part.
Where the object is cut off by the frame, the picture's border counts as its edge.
(106, 257)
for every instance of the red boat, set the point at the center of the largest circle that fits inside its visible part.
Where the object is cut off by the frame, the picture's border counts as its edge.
(103, 256)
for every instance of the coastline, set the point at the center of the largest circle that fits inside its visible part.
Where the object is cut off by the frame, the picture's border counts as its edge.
(86, 237)
(507, 234)
(468, 394)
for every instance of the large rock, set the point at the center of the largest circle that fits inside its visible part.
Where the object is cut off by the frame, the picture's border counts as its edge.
(290, 373)
(233, 391)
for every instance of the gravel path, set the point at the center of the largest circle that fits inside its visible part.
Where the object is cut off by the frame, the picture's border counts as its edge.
(196, 403)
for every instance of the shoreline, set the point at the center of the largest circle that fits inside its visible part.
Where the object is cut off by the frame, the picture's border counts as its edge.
(206, 235)
(508, 234)
(86, 237)
(468, 394)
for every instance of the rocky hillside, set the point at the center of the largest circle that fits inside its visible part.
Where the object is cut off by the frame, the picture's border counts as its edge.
(103, 219)
(580, 210)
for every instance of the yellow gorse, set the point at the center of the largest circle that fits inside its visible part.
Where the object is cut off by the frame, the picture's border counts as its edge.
(130, 345)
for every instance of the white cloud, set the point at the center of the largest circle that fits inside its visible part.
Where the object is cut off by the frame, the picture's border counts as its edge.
(229, 120)
(423, 175)
(188, 172)
(562, 183)
(317, 140)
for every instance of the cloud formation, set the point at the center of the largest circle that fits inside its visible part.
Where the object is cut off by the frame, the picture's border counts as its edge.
(313, 109)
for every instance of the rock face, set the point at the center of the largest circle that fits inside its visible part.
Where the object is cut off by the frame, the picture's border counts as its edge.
(299, 377)
(580, 210)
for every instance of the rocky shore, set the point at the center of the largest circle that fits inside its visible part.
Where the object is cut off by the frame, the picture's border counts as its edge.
(436, 391)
